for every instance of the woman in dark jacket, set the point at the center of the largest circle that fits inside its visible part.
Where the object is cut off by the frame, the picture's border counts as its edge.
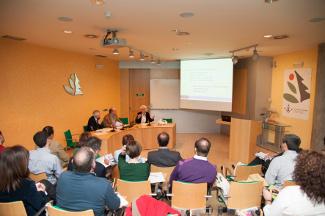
(143, 116)
(15, 184)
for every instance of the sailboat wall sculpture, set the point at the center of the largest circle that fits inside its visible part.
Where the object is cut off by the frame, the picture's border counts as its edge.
(74, 88)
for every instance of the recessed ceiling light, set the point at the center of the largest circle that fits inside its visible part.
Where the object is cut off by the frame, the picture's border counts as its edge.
(183, 33)
(189, 43)
(268, 36)
(65, 19)
(270, 1)
(280, 36)
(99, 2)
(91, 36)
(317, 19)
(208, 54)
(187, 15)
(175, 49)
(67, 31)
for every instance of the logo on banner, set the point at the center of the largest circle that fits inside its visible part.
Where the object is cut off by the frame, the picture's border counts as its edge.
(74, 88)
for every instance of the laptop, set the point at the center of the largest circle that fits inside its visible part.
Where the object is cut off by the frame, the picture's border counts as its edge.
(226, 118)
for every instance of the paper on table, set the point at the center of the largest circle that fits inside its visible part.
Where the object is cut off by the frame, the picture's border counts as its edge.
(260, 155)
(123, 202)
(103, 130)
(99, 134)
(156, 177)
(118, 124)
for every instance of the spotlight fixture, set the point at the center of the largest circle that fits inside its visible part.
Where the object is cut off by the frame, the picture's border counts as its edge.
(255, 55)
(131, 55)
(270, 1)
(152, 60)
(99, 2)
(158, 62)
(234, 58)
(141, 57)
(115, 51)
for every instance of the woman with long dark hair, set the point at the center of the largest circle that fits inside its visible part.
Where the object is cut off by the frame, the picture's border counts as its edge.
(15, 184)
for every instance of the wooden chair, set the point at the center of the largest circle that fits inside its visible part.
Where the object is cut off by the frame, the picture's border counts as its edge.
(38, 177)
(13, 209)
(167, 170)
(59, 212)
(243, 171)
(244, 195)
(132, 190)
(289, 183)
(116, 173)
(189, 196)
(71, 143)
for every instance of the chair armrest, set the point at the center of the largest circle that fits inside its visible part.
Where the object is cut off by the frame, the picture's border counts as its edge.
(75, 134)
(44, 207)
(75, 140)
(170, 195)
(153, 194)
(228, 170)
(208, 196)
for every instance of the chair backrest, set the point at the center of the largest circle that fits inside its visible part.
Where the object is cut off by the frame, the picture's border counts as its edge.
(243, 171)
(125, 120)
(68, 138)
(245, 194)
(13, 209)
(85, 128)
(132, 190)
(189, 195)
(59, 212)
(167, 170)
(116, 173)
(289, 183)
(169, 120)
(38, 177)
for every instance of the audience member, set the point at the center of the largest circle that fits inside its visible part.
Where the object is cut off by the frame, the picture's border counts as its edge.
(15, 184)
(132, 170)
(94, 122)
(94, 143)
(282, 167)
(196, 169)
(125, 140)
(306, 198)
(82, 140)
(56, 147)
(2, 140)
(163, 157)
(144, 116)
(42, 161)
(81, 190)
(111, 118)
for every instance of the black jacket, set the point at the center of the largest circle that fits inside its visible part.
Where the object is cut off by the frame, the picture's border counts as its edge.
(164, 158)
(147, 118)
(93, 125)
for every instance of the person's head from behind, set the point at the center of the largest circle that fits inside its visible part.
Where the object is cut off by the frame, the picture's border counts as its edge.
(96, 114)
(40, 139)
(13, 167)
(290, 142)
(310, 175)
(50, 131)
(202, 147)
(95, 143)
(2, 138)
(126, 139)
(84, 160)
(163, 139)
(112, 111)
(83, 138)
(133, 149)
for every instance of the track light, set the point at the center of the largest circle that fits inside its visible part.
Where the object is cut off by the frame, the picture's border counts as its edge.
(115, 51)
(158, 62)
(255, 55)
(97, 2)
(131, 55)
(152, 60)
(234, 58)
(141, 57)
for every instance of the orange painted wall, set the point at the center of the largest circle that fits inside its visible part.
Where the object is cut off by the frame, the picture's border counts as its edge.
(32, 94)
(301, 128)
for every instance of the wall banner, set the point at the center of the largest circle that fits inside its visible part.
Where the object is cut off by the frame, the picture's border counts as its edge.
(296, 93)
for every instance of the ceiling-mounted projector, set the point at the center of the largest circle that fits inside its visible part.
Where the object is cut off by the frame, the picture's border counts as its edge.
(113, 42)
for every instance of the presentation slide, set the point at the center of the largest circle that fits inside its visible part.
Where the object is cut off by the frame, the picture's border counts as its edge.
(206, 84)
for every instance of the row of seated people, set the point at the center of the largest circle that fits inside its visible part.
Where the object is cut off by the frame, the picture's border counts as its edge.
(196, 170)
(111, 119)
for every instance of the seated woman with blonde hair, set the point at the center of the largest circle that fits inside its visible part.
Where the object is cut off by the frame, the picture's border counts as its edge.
(132, 170)
(144, 116)
(305, 198)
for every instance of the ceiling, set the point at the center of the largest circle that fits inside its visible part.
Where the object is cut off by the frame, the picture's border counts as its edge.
(217, 27)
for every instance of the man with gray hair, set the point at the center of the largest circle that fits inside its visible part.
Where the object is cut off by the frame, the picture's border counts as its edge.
(81, 190)
(94, 122)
